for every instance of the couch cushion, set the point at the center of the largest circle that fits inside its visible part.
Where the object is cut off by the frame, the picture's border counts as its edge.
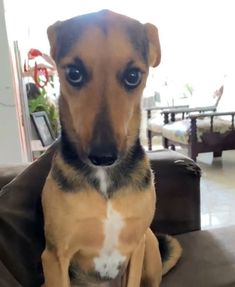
(21, 236)
(208, 260)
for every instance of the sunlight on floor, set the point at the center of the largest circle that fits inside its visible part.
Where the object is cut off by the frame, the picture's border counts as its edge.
(217, 190)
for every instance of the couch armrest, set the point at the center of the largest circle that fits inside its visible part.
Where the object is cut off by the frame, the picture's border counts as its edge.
(177, 183)
(9, 172)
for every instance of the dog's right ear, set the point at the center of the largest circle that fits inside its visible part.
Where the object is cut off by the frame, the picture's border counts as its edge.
(52, 32)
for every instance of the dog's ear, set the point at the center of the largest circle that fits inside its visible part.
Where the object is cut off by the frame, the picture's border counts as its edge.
(52, 37)
(154, 45)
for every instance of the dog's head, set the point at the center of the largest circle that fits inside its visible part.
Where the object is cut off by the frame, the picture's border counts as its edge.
(103, 60)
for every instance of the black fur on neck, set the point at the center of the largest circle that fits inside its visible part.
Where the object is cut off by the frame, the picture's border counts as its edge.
(70, 154)
(120, 174)
(71, 157)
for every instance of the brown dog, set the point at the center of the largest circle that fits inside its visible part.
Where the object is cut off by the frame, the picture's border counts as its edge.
(99, 197)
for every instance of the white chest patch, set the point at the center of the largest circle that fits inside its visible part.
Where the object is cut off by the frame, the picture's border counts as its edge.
(110, 259)
(104, 180)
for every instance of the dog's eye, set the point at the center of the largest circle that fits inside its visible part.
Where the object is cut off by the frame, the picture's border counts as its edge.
(132, 78)
(75, 75)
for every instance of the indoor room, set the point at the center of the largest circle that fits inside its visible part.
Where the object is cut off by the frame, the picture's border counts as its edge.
(171, 103)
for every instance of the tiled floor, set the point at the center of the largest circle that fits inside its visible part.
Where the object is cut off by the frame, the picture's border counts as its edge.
(217, 190)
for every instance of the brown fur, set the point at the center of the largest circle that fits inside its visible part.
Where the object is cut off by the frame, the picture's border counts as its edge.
(104, 113)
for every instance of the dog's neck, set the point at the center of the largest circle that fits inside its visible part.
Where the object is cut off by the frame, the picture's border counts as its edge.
(105, 180)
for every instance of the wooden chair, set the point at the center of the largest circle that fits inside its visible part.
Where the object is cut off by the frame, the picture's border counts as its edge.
(201, 130)
(156, 123)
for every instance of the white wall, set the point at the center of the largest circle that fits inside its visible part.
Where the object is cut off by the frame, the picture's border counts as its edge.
(10, 145)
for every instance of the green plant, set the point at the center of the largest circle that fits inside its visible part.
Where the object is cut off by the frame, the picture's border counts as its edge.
(39, 101)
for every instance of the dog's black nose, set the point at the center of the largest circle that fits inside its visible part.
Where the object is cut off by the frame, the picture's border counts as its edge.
(103, 150)
(102, 159)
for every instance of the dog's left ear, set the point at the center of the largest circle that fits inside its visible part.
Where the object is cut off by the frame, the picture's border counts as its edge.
(52, 32)
(154, 45)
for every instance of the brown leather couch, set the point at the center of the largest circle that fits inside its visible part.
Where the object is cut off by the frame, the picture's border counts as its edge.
(208, 258)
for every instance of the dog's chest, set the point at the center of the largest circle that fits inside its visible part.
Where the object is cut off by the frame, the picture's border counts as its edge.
(103, 179)
(110, 259)
(106, 227)
(124, 219)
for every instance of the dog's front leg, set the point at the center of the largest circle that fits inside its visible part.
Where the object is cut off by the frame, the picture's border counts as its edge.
(135, 266)
(55, 268)
(152, 264)
(145, 267)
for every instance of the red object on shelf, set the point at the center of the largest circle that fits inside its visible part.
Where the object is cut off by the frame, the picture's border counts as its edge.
(40, 71)
(40, 74)
(33, 53)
